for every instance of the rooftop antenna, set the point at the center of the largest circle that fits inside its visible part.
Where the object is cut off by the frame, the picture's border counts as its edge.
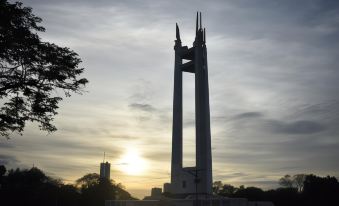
(104, 157)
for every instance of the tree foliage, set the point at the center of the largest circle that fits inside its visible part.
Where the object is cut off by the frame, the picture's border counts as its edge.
(286, 181)
(316, 191)
(91, 185)
(34, 187)
(321, 190)
(32, 72)
(228, 190)
(217, 185)
(298, 181)
(295, 181)
(88, 180)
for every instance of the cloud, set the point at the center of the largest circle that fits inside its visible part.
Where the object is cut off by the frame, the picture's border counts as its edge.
(248, 115)
(4, 143)
(142, 107)
(8, 160)
(231, 175)
(273, 73)
(298, 127)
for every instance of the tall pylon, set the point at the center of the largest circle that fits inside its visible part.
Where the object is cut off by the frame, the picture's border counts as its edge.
(196, 179)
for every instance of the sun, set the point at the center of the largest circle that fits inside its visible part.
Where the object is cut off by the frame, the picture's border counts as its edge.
(132, 163)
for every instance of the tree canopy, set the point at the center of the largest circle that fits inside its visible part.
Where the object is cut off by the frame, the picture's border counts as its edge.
(296, 190)
(32, 72)
(34, 187)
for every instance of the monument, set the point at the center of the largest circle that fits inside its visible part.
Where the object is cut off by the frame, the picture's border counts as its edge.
(190, 186)
(198, 179)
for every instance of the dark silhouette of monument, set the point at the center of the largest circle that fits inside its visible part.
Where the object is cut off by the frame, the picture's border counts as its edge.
(190, 186)
(198, 179)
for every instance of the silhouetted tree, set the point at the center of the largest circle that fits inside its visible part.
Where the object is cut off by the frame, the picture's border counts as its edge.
(298, 181)
(88, 180)
(68, 195)
(321, 190)
(95, 190)
(286, 181)
(29, 187)
(96, 194)
(122, 194)
(297, 190)
(31, 71)
(33, 187)
(2, 170)
(284, 196)
(251, 193)
(217, 185)
(2, 173)
(228, 190)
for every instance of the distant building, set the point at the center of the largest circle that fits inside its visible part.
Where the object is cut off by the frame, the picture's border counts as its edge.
(167, 187)
(105, 170)
(155, 194)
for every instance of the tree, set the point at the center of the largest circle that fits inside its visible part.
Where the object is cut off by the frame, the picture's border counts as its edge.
(320, 190)
(2, 170)
(88, 180)
(90, 184)
(2, 173)
(251, 193)
(32, 72)
(217, 185)
(298, 181)
(228, 190)
(95, 190)
(96, 194)
(286, 181)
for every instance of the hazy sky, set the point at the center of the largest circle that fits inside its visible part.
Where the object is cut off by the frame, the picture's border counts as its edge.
(274, 75)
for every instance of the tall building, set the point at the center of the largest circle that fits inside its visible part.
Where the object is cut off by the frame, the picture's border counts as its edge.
(105, 170)
(198, 179)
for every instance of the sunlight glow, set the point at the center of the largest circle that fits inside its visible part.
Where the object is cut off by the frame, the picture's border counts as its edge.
(132, 163)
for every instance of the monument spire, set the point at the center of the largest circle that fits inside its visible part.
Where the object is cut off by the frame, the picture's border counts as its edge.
(196, 26)
(200, 21)
(177, 32)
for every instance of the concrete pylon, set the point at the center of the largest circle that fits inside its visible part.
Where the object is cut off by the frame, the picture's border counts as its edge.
(196, 180)
(177, 112)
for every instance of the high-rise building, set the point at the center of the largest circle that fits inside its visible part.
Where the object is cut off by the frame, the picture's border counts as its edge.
(105, 170)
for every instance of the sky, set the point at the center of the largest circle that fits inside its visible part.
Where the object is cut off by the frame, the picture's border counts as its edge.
(273, 78)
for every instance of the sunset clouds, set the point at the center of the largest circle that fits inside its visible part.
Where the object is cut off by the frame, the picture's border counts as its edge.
(274, 72)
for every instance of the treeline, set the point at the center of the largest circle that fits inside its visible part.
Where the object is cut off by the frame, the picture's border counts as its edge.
(297, 190)
(34, 188)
